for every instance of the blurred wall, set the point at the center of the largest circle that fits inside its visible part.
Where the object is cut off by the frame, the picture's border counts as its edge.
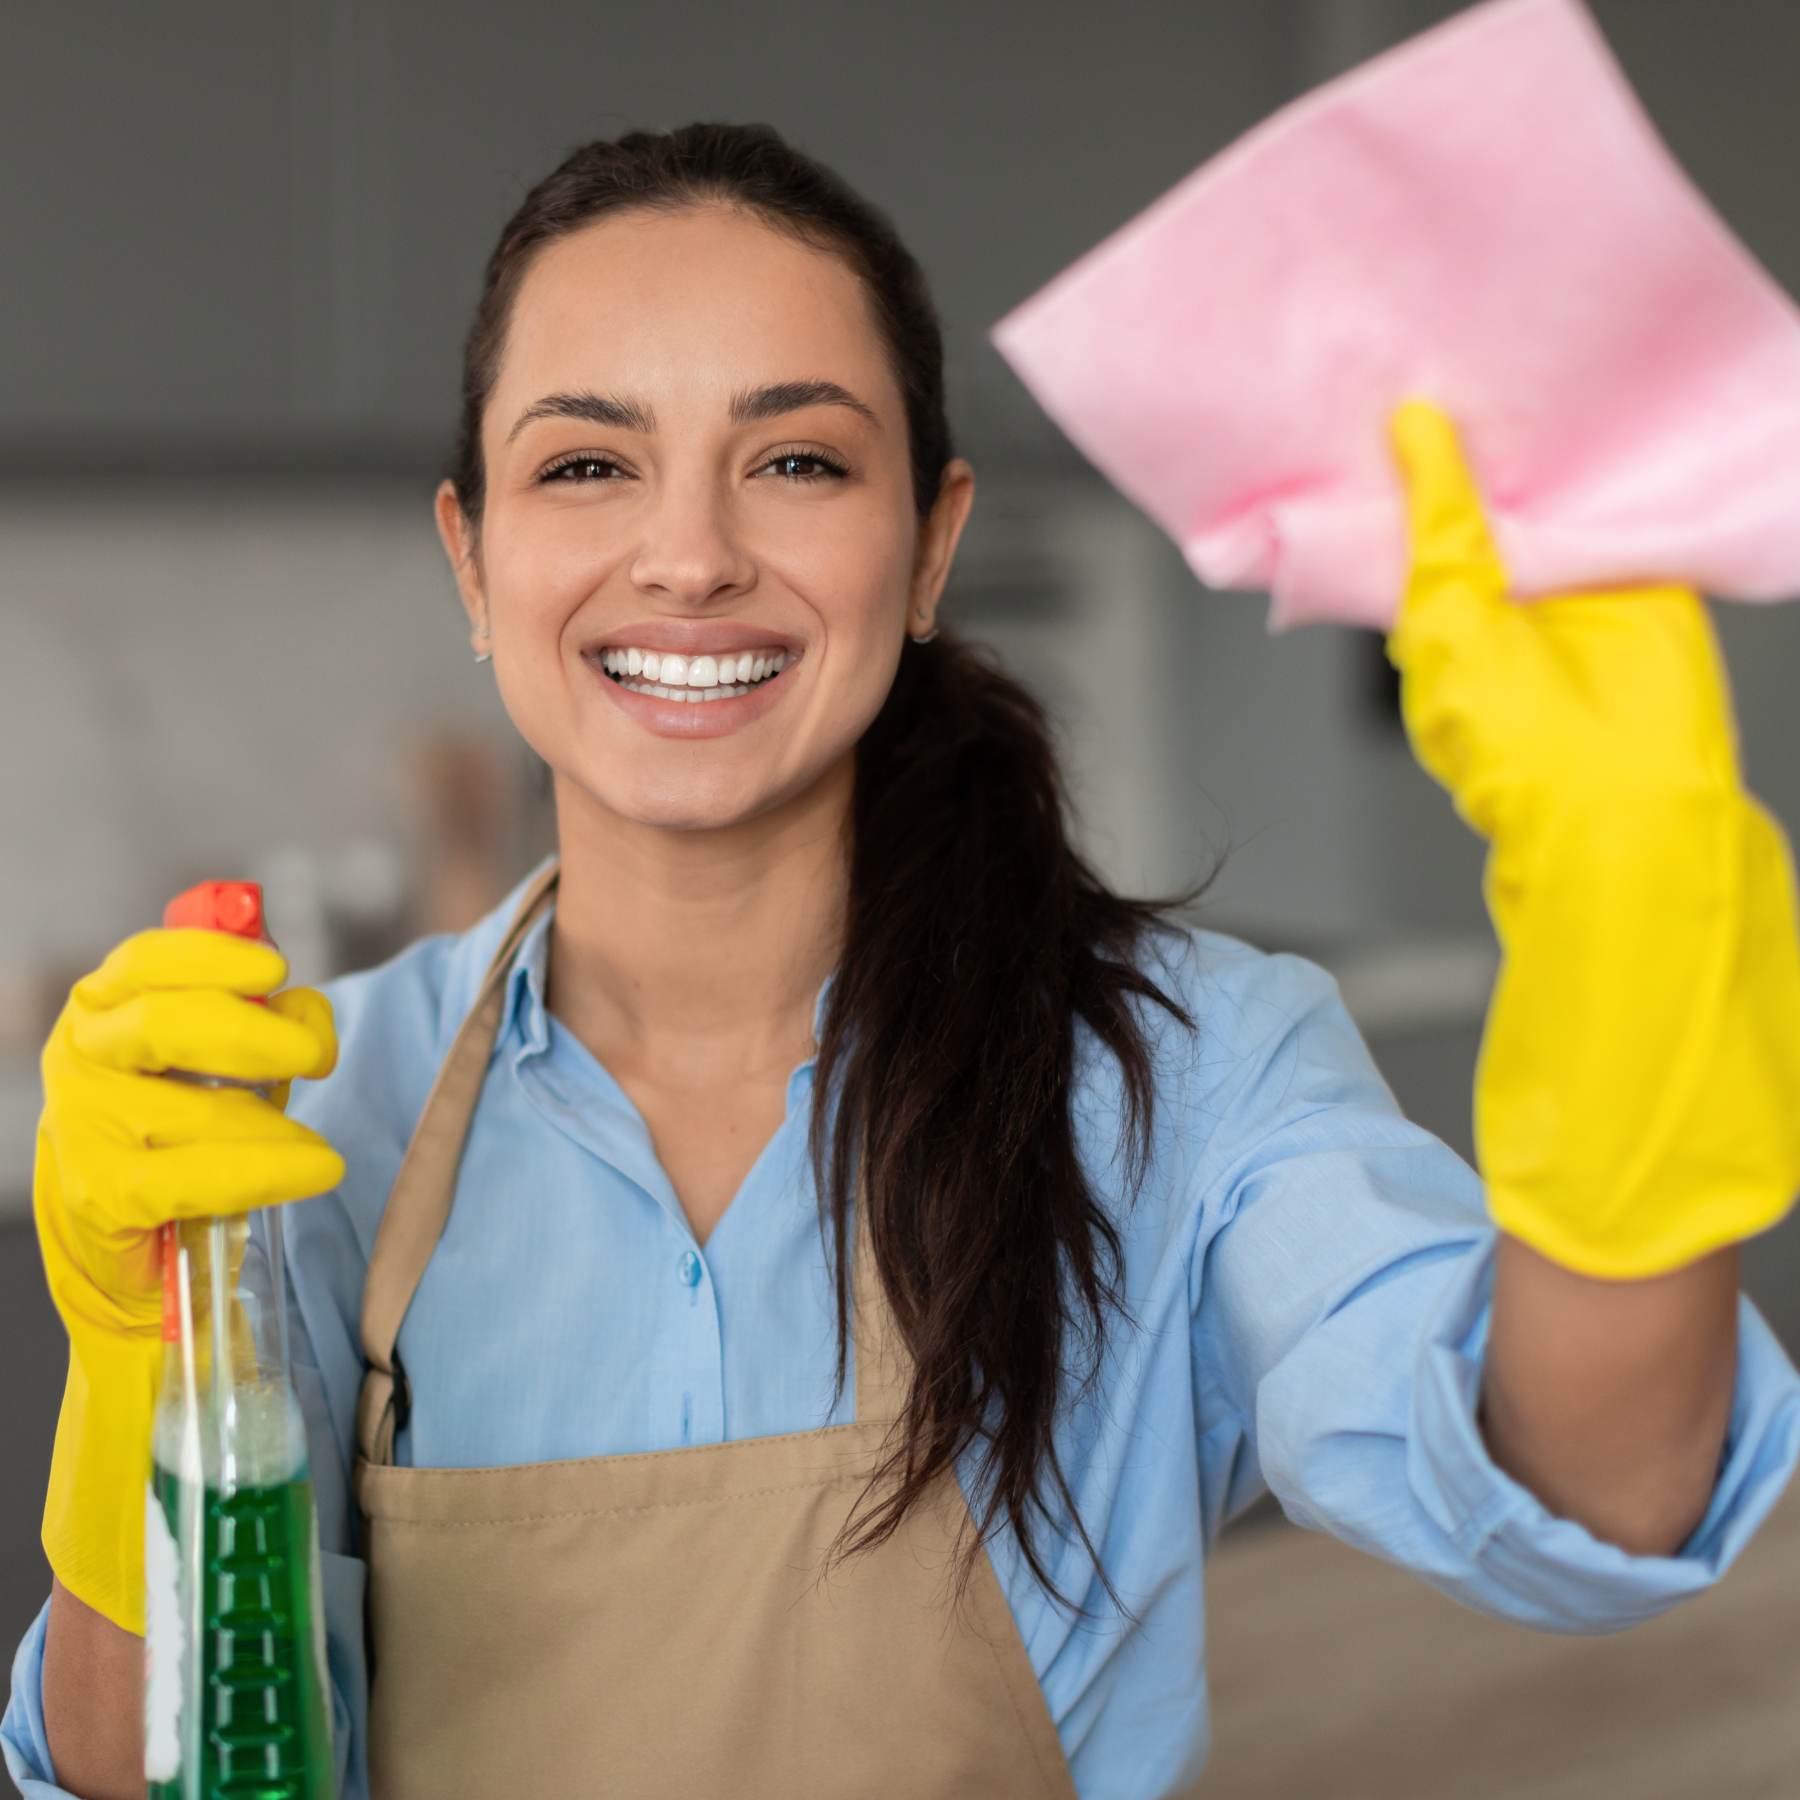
(229, 360)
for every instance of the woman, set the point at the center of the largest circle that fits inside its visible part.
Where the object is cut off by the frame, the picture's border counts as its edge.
(786, 1302)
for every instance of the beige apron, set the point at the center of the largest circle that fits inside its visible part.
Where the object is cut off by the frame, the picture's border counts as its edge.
(653, 1625)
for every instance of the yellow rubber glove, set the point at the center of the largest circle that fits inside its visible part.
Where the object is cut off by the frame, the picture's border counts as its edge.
(1637, 1096)
(121, 1150)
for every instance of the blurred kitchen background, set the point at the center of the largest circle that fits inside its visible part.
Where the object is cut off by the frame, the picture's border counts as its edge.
(242, 247)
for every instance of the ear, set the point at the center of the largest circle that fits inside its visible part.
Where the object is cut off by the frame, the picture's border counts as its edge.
(459, 545)
(938, 540)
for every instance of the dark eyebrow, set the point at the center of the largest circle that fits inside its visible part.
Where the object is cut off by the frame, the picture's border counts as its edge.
(747, 408)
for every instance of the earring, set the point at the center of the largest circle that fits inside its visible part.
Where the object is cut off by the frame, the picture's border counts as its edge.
(926, 639)
(482, 656)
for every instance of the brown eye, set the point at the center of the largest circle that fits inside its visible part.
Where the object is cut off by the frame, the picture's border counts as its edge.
(825, 466)
(585, 460)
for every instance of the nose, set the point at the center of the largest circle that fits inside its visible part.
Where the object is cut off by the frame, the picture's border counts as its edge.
(691, 549)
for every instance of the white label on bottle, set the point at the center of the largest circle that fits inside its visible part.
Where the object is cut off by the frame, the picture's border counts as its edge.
(164, 1634)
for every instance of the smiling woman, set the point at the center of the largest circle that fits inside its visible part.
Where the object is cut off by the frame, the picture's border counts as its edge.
(702, 512)
(816, 1044)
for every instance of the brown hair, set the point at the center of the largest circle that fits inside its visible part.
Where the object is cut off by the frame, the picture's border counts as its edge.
(976, 935)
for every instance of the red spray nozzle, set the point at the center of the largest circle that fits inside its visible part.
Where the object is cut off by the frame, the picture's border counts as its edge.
(234, 906)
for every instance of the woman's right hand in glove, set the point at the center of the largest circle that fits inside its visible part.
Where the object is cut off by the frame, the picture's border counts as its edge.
(121, 1150)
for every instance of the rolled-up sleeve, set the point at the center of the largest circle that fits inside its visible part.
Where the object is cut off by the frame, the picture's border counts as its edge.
(22, 1739)
(1341, 1294)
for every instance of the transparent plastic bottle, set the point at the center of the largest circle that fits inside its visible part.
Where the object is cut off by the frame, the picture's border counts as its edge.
(238, 1699)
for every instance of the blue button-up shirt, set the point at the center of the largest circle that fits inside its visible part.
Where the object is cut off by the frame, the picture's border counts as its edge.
(1312, 1272)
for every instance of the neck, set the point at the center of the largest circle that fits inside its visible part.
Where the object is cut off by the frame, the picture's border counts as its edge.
(694, 958)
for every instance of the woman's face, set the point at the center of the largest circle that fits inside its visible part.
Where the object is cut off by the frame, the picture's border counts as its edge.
(640, 498)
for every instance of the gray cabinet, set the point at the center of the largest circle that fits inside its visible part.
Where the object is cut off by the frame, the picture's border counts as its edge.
(151, 293)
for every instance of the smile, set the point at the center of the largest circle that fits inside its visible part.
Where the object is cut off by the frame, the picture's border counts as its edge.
(692, 697)
(685, 678)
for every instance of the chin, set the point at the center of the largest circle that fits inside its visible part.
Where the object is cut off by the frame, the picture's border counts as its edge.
(682, 805)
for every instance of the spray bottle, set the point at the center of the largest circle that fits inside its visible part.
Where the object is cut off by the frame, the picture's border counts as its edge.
(237, 1701)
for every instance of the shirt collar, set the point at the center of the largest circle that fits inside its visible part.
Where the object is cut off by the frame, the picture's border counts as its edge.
(524, 1014)
(525, 1018)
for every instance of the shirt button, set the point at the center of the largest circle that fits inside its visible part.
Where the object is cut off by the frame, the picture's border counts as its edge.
(689, 1268)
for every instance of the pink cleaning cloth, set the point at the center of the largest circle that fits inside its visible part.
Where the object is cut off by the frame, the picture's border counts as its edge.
(1484, 217)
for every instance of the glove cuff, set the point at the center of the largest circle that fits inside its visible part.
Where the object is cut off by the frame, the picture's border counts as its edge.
(1634, 1104)
(93, 1526)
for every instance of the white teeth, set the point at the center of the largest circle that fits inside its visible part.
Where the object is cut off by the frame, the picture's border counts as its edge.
(670, 669)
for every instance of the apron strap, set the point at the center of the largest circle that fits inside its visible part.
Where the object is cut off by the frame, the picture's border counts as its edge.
(418, 1206)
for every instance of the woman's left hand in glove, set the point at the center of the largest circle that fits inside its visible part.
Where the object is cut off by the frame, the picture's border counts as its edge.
(1637, 1094)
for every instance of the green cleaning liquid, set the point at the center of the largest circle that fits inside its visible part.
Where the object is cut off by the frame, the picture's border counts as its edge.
(263, 1723)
